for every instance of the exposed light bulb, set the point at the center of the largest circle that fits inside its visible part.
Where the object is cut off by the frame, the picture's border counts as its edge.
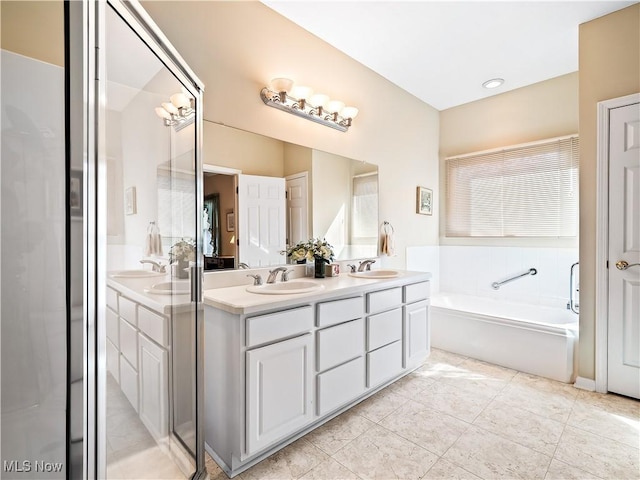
(180, 100)
(335, 106)
(169, 107)
(319, 100)
(301, 93)
(281, 84)
(162, 113)
(349, 112)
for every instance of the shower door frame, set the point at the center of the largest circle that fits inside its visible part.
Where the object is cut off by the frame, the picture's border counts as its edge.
(87, 64)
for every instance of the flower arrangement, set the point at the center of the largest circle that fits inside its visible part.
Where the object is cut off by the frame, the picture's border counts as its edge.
(182, 251)
(310, 250)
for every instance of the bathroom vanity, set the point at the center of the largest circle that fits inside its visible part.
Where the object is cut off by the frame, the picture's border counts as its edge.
(150, 336)
(279, 365)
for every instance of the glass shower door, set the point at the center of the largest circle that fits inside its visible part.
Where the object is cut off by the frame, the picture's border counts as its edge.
(149, 148)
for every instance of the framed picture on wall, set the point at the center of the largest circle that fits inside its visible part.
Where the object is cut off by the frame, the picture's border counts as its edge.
(424, 201)
(231, 222)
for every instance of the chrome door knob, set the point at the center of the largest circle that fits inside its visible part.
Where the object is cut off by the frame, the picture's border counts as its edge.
(622, 265)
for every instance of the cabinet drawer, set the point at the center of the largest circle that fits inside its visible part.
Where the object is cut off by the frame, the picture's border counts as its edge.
(384, 300)
(127, 310)
(384, 328)
(338, 344)
(340, 385)
(154, 326)
(384, 363)
(129, 342)
(112, 327)
(267, 328)
(338, 311)
(129, 382)
(416, 292)
(112, 299)
(113, 360)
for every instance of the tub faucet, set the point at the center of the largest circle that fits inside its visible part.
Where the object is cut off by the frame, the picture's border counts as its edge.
(273, 274)
(365, 265)
(155, 266)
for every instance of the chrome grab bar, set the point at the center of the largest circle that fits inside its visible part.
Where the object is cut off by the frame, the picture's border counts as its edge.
(497, 285)
(573, 289)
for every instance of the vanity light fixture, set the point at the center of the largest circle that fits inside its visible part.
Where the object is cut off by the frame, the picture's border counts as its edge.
(493, 83)
(301, 101)
(178, 112)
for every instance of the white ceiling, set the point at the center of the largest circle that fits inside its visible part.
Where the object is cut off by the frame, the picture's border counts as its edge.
(442, 51)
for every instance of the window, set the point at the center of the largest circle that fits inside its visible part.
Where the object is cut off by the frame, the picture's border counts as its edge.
(365, 209)
(176, 205)
(529, 191)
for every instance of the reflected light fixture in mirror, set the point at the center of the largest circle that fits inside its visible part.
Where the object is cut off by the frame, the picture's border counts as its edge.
(180, 110)
(300, 100)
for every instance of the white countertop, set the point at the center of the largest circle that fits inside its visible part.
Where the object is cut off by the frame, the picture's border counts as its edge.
(133, 288)
(237, 300)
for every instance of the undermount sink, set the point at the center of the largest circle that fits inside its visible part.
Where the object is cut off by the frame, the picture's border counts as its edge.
(373, 274)
(286, 288)
(169, 288)
(135, 274)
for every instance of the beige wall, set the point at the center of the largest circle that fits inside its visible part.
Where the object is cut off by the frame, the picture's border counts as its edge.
(26, 23)
(237, 47)
(609, 68)
(543, 110)
(232, 148)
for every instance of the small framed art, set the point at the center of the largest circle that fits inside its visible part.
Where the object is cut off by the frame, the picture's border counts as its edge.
(424, 201)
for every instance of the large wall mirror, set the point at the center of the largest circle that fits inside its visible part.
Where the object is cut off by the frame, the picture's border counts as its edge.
(326, 196)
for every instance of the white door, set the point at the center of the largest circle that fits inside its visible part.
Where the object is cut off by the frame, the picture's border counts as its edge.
(624, 251)
(279, 391)
(261, 220)
(297, 208)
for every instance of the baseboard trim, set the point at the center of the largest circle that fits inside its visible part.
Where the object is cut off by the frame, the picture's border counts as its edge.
(585, 384)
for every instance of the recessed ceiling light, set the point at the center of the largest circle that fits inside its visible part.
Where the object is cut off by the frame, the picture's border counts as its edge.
(493, 83)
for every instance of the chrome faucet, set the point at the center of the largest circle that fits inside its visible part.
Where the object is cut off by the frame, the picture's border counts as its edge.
(365, 265)
(352, 268)
(243, 265)
(285, 275)
(257, 279)
(156, 266)
(273, 274)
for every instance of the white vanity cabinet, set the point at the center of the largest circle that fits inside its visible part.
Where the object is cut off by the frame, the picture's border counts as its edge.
(276, 369)
(417, 344)
(137, 351)
(279, 390)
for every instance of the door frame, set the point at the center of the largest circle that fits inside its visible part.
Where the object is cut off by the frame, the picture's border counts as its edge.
(602, 237)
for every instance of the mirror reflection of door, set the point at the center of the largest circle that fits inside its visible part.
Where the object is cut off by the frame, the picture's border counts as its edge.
(149, 143)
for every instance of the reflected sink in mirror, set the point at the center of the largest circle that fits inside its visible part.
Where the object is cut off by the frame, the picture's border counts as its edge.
(135, 274)
(286, 288)
(169, 288)
(373, 274)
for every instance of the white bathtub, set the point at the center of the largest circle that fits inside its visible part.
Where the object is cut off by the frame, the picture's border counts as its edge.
(529, 338)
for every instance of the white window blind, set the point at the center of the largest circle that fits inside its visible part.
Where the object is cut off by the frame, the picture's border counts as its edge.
(529, 191)
(176, 206)
(364, 208)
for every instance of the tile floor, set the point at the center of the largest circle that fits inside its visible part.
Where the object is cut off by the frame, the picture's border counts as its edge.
(132, 453)
(458, 418)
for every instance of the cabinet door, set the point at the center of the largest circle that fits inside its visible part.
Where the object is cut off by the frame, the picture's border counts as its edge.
(417, 336)
(153, 386)
(279, 391)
